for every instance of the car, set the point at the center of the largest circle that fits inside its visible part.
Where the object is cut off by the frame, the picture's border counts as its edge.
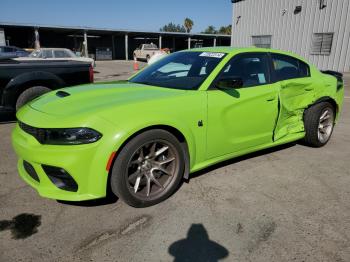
(12, 51)
(57, 54)
(23, 81)
(156, 57)
(146, 51)
(141, 137)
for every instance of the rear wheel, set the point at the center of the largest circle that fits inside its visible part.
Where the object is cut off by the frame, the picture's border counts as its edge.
(148, 169)
(30, 94)
(319, 123)
(148, 58)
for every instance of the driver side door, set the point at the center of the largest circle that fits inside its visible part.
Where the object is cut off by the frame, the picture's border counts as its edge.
(245, 116)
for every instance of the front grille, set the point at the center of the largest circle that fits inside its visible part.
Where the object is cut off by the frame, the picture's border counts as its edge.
(31, 171)
(38, 133)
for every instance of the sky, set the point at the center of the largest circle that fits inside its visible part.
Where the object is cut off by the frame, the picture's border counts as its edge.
(118, 14)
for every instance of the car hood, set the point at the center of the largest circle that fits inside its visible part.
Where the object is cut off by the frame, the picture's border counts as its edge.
(94, 98)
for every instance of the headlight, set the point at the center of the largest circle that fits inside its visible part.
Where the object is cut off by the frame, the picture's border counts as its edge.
(62, 136)
(70, 136)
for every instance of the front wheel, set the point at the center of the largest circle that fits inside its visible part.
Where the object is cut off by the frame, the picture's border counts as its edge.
(319, 124)
(148, 169)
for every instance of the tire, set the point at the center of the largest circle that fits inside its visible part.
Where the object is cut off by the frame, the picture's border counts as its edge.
(319, 124)
(135, 57)
(148, 58)
(29, 94)
(130, 165)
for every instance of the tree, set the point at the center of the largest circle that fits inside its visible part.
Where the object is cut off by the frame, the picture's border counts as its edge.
(210, 30)
(171, 27)
(188, 24)
(225, 30)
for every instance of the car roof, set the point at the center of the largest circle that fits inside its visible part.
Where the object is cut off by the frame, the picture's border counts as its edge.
(53, 48)
(237, 50)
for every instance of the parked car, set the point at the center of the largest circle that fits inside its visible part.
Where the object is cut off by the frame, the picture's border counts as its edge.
(156, 57)
(57, 54)
(22, 81)
(188, 111)
(12, 51)
(146, 51)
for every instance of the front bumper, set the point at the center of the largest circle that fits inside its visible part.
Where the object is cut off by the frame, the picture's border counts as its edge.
(85, 164)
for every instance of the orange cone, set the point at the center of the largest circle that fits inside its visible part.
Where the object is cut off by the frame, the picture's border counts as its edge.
(136, 65)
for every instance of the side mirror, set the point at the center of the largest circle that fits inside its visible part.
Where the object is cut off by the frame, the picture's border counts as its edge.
(235, 82)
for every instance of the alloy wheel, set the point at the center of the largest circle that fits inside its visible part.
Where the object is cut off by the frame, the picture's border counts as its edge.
(325, 125)
(151, 169)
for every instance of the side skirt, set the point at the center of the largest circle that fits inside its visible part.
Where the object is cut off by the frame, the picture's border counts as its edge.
(284, 140)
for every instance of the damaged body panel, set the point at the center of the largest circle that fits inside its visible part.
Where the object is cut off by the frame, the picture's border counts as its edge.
(294, 97)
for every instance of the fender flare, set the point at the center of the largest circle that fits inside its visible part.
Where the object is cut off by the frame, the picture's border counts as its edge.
(327, 99)
(23, 81)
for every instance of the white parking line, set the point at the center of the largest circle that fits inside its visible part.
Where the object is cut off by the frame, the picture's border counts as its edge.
(347, 97)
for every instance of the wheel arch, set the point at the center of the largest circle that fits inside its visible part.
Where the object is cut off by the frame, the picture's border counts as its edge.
(174, 131)
(24, 81)
(329, 100)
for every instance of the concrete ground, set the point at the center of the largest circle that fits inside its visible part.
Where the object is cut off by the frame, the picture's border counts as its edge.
(114, 70)
(291, 203)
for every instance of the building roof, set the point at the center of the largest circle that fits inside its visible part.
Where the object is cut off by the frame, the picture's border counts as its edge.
(96, 29)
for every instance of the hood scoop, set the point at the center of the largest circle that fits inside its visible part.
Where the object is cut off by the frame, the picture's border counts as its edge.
(62, 94)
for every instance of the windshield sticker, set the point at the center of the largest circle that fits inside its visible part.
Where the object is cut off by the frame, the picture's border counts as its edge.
(210, 54)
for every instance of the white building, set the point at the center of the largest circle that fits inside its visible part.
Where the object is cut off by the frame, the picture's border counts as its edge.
(318, 30)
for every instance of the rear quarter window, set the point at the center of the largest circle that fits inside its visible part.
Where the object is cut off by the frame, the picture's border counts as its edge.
(287, 67)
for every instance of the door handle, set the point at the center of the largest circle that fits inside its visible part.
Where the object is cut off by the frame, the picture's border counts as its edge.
(270, 99)
(308, 89)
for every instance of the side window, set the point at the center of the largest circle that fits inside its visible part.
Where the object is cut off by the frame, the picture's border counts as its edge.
(304, 69)
(251, 69)
(47, 54)
(287, 67)
(8, 49)
(60, 54)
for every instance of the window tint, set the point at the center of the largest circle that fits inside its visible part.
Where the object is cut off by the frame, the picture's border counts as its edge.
(252, 69)
(60, 54)
(182, 70)
(174, 69)
(9, 49)
(287, 67)
(36, 54)
(47, 53)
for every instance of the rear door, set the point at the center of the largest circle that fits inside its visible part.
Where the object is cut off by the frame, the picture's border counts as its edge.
(296, 93)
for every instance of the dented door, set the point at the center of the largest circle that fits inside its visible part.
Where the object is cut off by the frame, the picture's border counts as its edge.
(294, 96)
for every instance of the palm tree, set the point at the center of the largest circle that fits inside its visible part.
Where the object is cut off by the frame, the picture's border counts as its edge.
(188, 23)
(210, 30)
(225, 30)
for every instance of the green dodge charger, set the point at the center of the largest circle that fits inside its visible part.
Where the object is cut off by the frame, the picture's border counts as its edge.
(187, 111)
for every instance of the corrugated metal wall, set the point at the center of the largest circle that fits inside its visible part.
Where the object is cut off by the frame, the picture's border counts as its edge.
(294, 32)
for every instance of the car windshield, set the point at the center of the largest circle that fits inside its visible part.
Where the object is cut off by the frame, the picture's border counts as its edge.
(183, 70)
(36, 54)
(150, 46)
